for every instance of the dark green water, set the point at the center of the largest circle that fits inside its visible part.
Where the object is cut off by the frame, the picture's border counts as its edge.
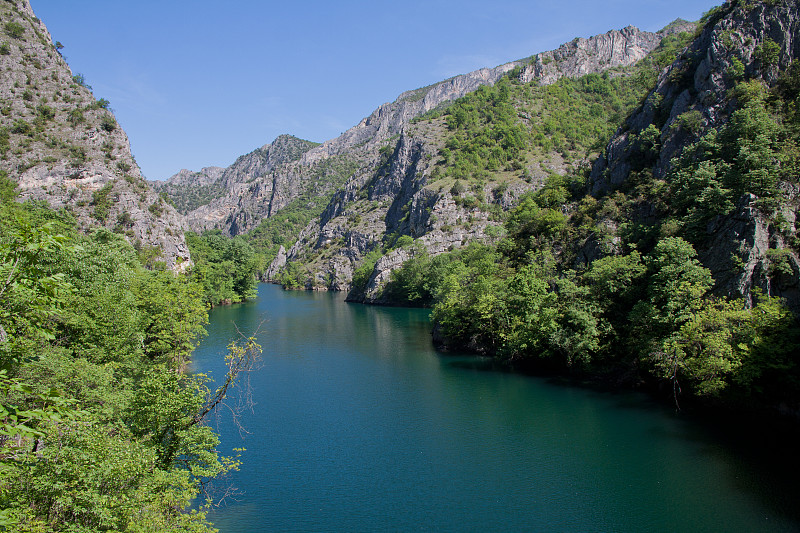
(359, 425)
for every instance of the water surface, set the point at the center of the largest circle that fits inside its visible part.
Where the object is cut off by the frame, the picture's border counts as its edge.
(359, 425)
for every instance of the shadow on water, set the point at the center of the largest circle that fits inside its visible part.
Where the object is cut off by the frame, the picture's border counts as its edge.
(765, 450)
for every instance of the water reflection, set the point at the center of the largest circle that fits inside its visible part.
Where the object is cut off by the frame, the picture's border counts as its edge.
(360, 425)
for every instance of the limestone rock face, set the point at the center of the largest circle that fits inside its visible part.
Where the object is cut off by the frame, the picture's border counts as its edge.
(277, 264)
(66, 148)
(742, 247)
(383, 167)
(616, 48)
(251, 188)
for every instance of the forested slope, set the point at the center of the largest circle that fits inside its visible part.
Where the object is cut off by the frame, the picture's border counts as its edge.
(100, 424)
(674, 260)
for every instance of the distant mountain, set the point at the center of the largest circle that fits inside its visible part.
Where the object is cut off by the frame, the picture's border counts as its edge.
(189, 190)
(65, 147)
(376, 172)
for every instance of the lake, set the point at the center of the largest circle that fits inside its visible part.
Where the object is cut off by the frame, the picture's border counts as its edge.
(360, 425)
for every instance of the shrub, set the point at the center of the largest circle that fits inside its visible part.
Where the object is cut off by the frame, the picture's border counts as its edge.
(690, 121)
(14, 30)
(45, 112)
(458, 188)
(80, 80)
(108, 123)
(21, 127)
(5, 145)
(78, 155)
(736, 70)
(75, 117)
(768, 52)
(102, 202)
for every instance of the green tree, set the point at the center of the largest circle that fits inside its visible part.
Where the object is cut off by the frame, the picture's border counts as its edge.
(225, 267)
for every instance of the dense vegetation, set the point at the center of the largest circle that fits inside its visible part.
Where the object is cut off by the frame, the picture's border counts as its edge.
(647, 316)
(101, 427)
(643, 308)
(503, 127)
(224, 267)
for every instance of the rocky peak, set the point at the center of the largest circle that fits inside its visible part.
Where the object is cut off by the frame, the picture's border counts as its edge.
(699, 84)
(65, 147)
(245, 192)
(616, 48)
(184, 177)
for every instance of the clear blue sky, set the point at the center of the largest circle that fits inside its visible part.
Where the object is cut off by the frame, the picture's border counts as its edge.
(199, 83)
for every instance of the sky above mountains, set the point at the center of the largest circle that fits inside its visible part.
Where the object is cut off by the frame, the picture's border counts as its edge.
(200, 83)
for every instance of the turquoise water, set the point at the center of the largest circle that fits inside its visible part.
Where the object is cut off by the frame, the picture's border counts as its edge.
(359, 425)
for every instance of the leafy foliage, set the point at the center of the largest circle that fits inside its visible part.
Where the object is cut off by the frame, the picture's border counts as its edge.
(224, 267)
(100, 426)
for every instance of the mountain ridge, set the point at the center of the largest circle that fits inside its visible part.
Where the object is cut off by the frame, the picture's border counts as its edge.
(248, 200)
(63, 146)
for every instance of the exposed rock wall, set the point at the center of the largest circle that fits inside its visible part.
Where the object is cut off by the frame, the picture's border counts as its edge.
(394, 198)
(738, 245)
(66, 148)
(616, 48)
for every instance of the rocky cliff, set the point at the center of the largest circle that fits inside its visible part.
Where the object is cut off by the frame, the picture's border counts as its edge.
(698, 95)
(380, 184)
(616, 48)
(398, 196)
(63, 146)
(254, 187)
(189, 190)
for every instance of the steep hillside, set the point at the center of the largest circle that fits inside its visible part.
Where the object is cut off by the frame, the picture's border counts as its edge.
(446, 177)
(189, 190)
(673, 260)
(726, 104)
(255, 186)
(351, 195)
(63, 146)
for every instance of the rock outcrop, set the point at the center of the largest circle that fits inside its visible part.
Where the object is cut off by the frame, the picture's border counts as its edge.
(63, 146)
(741, 248)
(616, 48)
(384, 189)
